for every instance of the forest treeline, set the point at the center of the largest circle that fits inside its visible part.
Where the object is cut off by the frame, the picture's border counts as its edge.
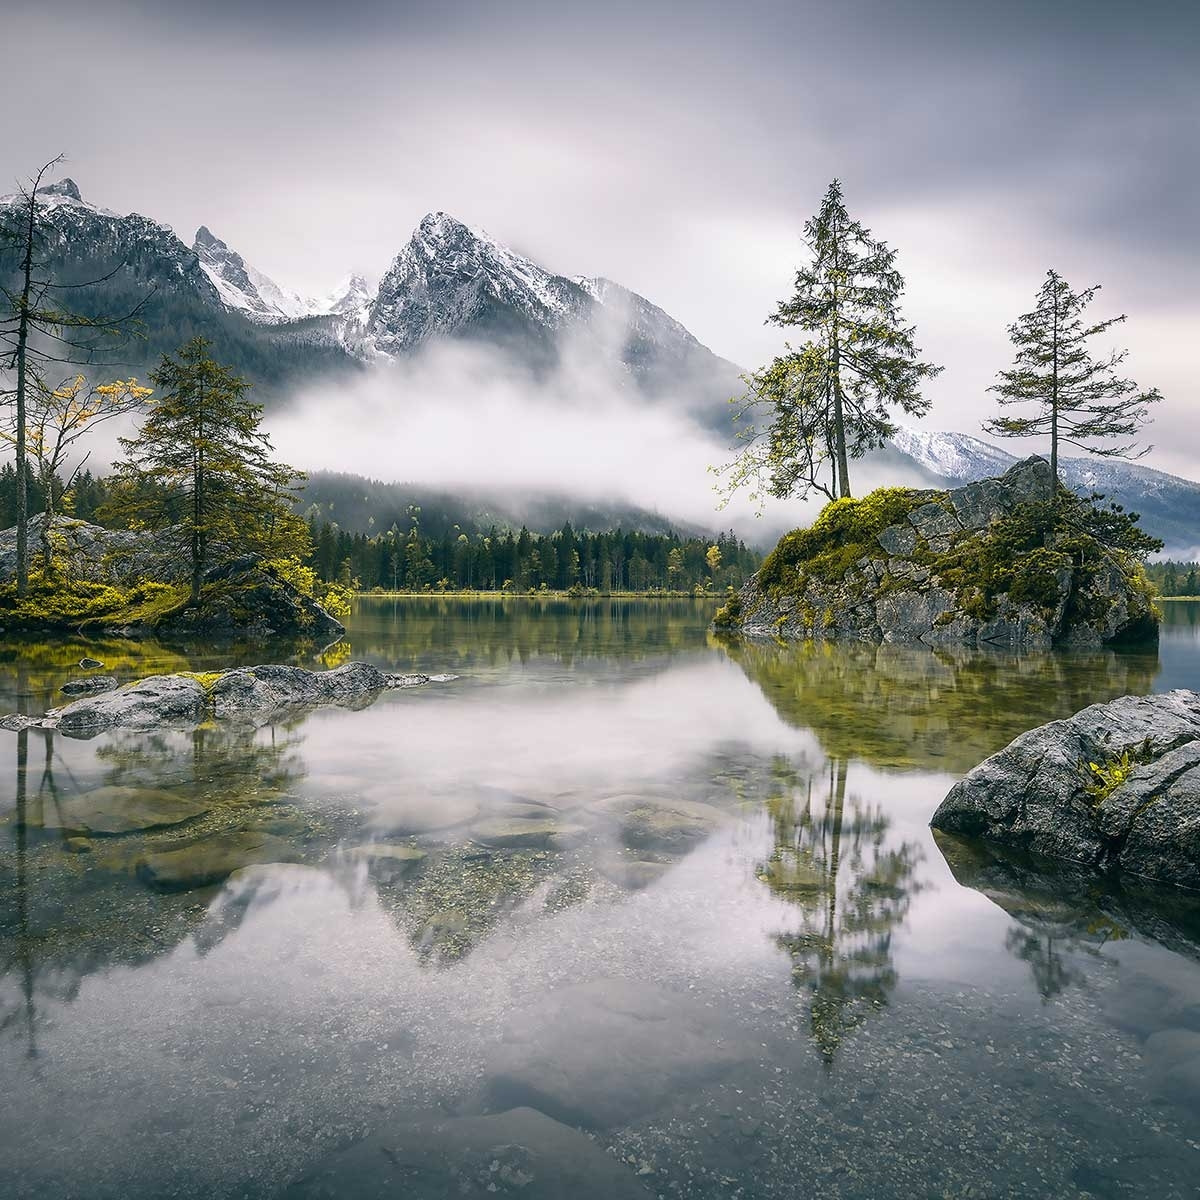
(454, 558)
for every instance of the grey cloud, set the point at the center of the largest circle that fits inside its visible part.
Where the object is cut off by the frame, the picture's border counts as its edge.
(674, 147)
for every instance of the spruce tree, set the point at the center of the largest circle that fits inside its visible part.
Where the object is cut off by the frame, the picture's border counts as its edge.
(201, 465)
(1080, 399)
(832, 399)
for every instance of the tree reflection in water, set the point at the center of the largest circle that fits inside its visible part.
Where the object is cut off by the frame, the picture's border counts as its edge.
(832, 860)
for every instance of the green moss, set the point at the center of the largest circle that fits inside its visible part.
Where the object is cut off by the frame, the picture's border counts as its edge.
(77, 604)
(844, 532)
(205, 679)
(729, 615)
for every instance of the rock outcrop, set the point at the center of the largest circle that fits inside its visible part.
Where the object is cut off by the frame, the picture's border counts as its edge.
(255, 694)
(248, 598)
(243, 597)
(960, 567)
(1116, 786)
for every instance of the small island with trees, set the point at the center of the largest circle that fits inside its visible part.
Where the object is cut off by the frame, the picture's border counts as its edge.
(1018, 561)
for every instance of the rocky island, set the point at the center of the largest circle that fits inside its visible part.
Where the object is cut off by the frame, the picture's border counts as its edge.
(1013, 561)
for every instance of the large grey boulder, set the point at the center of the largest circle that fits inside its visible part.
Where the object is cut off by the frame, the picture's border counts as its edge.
(257, 694)
(920, 578)
(261, 691)
(1043, 793)
(516, 1153)
(156, 702)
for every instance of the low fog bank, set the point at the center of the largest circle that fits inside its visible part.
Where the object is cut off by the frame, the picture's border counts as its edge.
(462, 416)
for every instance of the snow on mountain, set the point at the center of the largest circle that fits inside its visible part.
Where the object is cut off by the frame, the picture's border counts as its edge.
(352, 297)
(452, 280)
(1168, 504)
(954, 456)
(86, 242)
(242, 287)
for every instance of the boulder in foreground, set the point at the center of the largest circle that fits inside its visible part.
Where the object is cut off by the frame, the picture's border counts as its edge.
(1116, 786)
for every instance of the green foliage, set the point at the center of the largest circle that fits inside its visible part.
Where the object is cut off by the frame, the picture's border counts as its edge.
(844, 532)
(810, 411)
(200, 461)
(1078, 399)
(335, 599)
(53, 604)
(1105, 777)
(729, 615)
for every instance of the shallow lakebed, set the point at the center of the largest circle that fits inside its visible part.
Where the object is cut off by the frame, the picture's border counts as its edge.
(675, 894)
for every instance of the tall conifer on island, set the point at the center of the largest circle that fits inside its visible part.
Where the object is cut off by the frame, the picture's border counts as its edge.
(1081, 400)
(201, 465)
(832, 400)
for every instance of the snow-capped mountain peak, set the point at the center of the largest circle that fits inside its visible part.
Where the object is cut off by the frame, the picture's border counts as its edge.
(63, 194)
(450, 276)
(242, 287)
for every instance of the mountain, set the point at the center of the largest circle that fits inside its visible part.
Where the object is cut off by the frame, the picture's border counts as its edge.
(243, 288)
(448, 282)
(115, 265)
(1169, 505)
(452, 281)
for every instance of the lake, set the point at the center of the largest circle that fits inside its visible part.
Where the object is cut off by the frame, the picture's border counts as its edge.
(622, 909)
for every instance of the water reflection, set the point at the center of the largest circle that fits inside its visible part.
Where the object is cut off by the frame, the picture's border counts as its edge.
(681, 893)
(1062, 909)
(908, 707)
(834, 861)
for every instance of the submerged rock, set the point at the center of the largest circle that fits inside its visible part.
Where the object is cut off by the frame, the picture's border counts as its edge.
(257, 693)
(516, 1153)
(524, 833)
(602, 1053)
(114, 810)
(212, 859)
(660, 823)
(945, 568)
(1116, 786)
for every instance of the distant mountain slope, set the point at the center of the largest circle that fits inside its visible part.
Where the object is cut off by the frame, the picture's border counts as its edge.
(361, 505)
(448, 282)
(1169, 505)
(143, 265)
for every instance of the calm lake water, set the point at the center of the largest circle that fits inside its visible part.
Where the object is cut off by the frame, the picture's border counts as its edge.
(673, 900)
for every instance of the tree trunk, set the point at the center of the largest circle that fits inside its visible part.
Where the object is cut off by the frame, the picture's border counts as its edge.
(48, 530)
(22, 476)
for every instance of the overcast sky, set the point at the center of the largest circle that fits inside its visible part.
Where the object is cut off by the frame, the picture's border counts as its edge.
(675, 148)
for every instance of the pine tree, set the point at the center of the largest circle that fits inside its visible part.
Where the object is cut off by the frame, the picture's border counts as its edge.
(201, 460)
(832, 399)
(1081, 400)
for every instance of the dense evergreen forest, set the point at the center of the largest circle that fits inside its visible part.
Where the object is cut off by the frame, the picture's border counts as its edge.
(430, 553)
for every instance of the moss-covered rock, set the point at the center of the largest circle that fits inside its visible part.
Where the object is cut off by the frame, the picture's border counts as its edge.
(999, 562)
